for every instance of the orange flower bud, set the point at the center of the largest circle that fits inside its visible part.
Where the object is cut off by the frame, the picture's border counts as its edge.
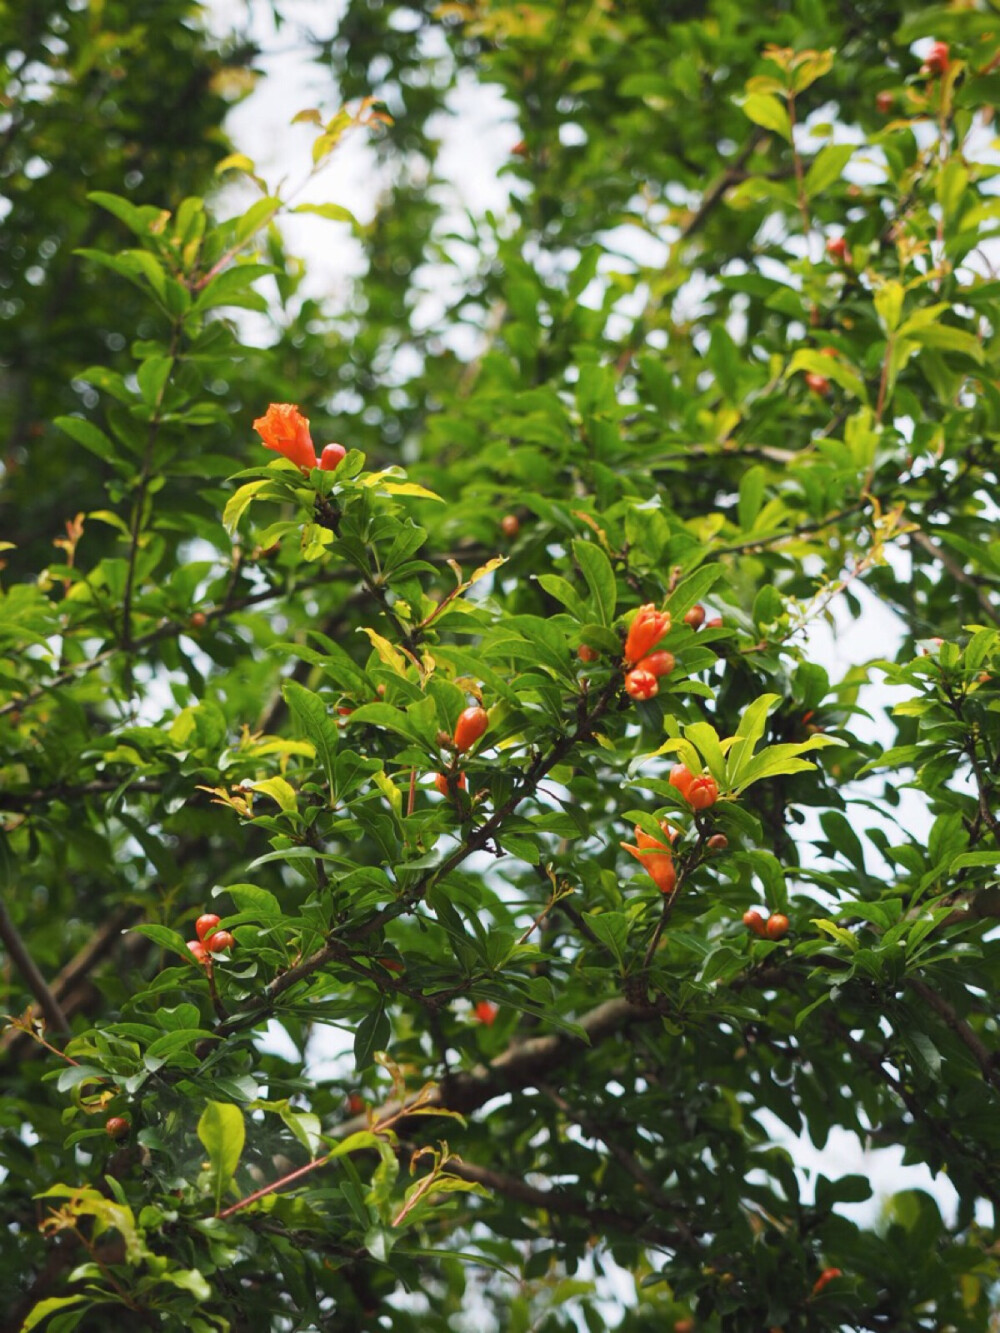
(284, 429)
(818, 384)
(645, 632)
(655, 857)
(641, 684)
(587, 654)
(681, 777)
(658, 664)
(471, 724)
(702, 793)
(486, 1012)
(695, 617)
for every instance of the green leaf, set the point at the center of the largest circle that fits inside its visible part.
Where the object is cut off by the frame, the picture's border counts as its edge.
(836, 932)
(238, 503)
(332, 212)
(44, 1308)
(751, 496)
(600, 578)
(769, 113)
(611, 928)
(827, 166)
(89, 435)
(281, 791)
(748, 733)
(310, 712)
(372, 1035)
(776, 760)
(222, 1133)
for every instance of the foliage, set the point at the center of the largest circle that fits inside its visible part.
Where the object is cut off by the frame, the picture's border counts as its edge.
(235, 689)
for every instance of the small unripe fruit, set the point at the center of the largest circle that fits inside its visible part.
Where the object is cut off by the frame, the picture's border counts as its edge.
(755, 922)
(198, 951)
(695, 617)
(818, 384)
(937, 58)
(206, 924)
(221, 941)
(471, 724)
(777, 926)
(117, 1127)
(587, 654)
(658, 664)
(641, 684)
(510, 525)
(332, 456)
(884, 102)
(718, 842)
(199, 620)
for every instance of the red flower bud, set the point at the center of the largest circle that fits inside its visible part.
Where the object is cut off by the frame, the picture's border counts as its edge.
(641, 684)
(284, 429)
(471, 724)
(198, 951)
(206, 924)
(332, 456)
(486, 1012)
(836, 248)
(753, 920)
(938, 58)
(220, 941)
(587, 654)
(777, 926)
(828, 1274)
(657, 664)
(884, 102)
(695, 617)
(510, 525)
(718, 842)
(681, 777)
(818, 384)
(116, 1127)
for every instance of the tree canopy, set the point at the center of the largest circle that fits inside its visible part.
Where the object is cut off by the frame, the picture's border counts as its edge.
(439, 866)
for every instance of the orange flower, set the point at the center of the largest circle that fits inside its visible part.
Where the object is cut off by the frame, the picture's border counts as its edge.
(284, 429)
(645, 632)
(655, 857)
